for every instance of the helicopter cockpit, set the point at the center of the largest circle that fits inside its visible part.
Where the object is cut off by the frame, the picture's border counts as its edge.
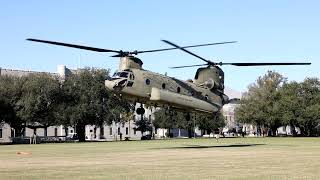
(119, 80)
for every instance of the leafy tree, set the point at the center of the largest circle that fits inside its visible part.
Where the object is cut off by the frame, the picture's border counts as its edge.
(10, 93)
(259, 106)
(169, 119)
(40, 97)
(210, 123)
(143, 125)
(290, 105)
(162, 120)
(310, 97)
(300, 105)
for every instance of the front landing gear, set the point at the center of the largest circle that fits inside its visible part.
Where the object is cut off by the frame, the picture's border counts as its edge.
(140, 110)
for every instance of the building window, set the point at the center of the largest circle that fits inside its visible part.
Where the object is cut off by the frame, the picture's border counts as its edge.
(163, 85)
(149, 118)
(134, 131)
(178, 89)
(0, 133)
(111, 131)
(118, 130)
(71, 131)
(127, 130)
(55, 131)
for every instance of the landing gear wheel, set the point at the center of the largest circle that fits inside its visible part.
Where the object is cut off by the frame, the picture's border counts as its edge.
(140, 111)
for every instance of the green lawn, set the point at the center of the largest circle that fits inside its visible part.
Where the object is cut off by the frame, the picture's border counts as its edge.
(234, 158)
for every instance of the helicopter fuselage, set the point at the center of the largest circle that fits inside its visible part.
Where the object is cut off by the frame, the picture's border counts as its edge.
(138, 85)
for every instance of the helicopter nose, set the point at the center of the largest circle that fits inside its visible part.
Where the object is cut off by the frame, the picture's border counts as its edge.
(109, 84)
(117, 85)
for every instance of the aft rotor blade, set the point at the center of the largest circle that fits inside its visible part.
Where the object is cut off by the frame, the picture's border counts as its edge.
(262, 64)
(188, 66)
(74, 46)
(199, 45)
(172, 44)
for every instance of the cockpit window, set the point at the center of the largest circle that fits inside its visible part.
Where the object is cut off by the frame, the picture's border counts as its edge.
(131, 77)
(120, 75)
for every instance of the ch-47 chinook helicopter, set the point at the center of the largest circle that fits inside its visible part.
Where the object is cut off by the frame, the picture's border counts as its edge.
(135, 84)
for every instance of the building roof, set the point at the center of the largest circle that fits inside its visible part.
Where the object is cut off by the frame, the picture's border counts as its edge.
(232, 93)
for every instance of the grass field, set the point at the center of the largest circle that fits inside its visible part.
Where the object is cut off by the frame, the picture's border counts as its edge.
(233, 158)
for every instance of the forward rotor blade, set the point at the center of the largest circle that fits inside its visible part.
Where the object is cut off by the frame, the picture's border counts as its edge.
(188, 66)
(74, 46)
(262, 64)
(168, 42)
(167, 49)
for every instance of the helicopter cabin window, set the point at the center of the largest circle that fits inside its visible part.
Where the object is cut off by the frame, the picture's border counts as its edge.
(178, 89)
(163, 85)
(147, 81)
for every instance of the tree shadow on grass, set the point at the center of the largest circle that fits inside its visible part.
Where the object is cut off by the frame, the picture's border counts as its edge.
(214, 146)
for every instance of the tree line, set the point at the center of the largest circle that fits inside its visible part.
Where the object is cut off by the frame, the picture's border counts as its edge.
(272, 102)
(41, 100)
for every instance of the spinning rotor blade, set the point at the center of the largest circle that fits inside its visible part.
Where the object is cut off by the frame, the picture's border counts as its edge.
(74, 46)
(120, 53)
(181, 48)
(167, 49)
(262, 64)
(221, 63)
(188, 66)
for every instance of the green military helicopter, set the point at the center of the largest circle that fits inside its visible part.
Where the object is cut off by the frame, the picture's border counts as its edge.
(203, 94)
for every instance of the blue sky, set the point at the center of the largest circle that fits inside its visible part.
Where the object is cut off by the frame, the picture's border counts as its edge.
(266, 31)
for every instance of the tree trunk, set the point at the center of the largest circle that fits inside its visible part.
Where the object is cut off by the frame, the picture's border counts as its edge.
(189, 133)
(46, 131)
(81, 131)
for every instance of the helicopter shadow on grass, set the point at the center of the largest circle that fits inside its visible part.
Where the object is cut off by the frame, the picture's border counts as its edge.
(213, 146)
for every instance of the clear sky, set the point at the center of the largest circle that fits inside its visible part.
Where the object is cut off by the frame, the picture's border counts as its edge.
(266, 31)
